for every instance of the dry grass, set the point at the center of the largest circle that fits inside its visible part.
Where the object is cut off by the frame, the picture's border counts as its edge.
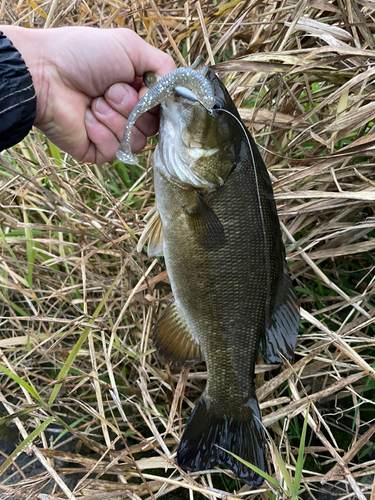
(77, 303)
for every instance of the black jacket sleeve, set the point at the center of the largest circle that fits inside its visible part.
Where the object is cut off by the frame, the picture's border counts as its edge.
(17, 95)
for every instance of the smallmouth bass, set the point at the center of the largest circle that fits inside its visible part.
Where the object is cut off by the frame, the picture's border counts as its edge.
(216, 222)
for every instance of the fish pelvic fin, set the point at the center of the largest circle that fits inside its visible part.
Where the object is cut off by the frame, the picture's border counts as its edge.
(207, 435)
(152, 234)
(281, 334)
(173, 339)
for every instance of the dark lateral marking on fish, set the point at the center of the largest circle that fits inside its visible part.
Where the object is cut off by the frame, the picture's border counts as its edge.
(173, 339)
(204, 444)
(207, 227)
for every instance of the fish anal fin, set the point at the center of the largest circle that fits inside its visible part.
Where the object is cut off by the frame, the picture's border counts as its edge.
(281, 334)
(208, 437)
(173, 339)
(206, 225)
(152, 235)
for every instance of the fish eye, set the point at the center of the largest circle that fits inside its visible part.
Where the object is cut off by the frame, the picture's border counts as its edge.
(218, 106)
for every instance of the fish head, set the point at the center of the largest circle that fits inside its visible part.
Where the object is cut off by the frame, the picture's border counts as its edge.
(198, 147)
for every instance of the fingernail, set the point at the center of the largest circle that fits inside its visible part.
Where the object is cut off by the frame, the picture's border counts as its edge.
(89, 117)
(117, 93)
(102, 107)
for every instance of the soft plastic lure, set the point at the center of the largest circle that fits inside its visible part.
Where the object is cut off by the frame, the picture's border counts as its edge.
(185, 79)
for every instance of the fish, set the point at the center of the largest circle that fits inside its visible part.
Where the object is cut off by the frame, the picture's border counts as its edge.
(216, 223)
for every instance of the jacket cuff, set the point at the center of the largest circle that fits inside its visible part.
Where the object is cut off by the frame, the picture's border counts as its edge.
(17, 95)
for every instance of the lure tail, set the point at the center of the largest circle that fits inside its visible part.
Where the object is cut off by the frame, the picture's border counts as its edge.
(207, 435)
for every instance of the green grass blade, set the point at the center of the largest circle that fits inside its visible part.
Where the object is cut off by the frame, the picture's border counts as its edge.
(13, 305)
(30, 252)
(68, 429)
(64, 370)
(264, 475)
(29, 388)
(23, 445)
(284, 471)
(17, 414)
(12, 254)
(55, 153)
(299, 464)
(73, 354)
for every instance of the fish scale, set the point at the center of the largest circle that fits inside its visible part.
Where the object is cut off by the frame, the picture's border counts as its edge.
(217, 224)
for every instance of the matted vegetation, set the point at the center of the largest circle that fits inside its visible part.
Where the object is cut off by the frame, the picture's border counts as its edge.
(77, 303)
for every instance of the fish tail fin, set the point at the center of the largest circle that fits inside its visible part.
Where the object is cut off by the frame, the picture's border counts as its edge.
(207, 435)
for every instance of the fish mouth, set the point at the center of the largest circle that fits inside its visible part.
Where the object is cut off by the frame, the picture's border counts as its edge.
(161, 90)
(181, 152)
(174, 109)
(189, 143)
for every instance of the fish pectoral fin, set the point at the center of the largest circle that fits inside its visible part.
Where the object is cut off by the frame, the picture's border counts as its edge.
(152, 234)
(206, 225)
(173, 339)
(281, 334)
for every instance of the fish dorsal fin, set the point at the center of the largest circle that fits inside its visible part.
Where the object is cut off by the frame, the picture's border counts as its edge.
(152, 234)
(206, 225)
(281, 334)
(173, 339)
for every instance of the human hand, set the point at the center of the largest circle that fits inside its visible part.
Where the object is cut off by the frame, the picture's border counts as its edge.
(87, 82)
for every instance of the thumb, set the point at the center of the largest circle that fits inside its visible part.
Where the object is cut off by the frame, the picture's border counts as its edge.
(143, 56)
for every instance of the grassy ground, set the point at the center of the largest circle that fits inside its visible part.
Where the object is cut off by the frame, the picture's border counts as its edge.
(77, 303)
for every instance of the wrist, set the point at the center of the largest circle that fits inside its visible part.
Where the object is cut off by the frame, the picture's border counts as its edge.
(29, 44)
